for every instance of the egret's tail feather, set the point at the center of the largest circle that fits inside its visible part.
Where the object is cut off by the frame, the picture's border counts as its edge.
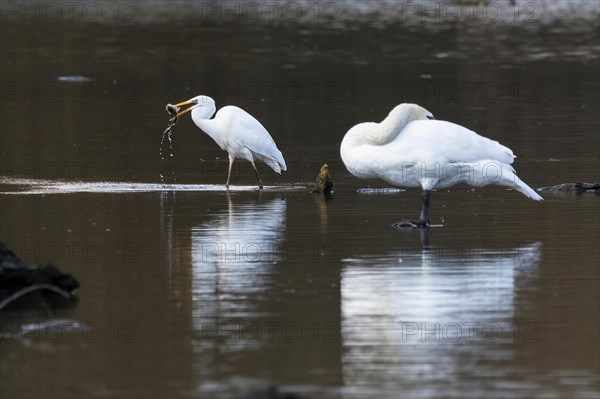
(526, 190)
(510, 179)
(276, 166)
(281, 165)
(487, 172)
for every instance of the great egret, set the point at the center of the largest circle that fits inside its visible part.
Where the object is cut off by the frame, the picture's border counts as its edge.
(236, 132)
(410, 148)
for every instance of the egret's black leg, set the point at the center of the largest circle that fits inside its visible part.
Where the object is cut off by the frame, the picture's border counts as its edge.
(423, 220)
(260, 183)
(425, 208)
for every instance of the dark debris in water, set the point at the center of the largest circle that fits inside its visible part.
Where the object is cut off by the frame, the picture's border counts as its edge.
(388, 190)
(20, 280)
(577, 188)
(269, 393)
(30, 332)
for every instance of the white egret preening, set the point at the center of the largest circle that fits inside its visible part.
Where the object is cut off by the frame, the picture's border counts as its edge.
(236, 132)
(410, 148)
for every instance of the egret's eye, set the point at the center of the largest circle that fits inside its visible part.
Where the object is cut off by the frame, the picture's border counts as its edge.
(430, 117)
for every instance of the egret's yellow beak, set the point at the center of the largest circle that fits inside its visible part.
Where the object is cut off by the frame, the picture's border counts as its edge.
(179, 105)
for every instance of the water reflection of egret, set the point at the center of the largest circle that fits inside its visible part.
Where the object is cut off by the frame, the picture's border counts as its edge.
(411, 149)
(233, 254)
(430, 321)
(236, 132)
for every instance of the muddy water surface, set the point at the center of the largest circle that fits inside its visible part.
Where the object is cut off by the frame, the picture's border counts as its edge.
(191, 291)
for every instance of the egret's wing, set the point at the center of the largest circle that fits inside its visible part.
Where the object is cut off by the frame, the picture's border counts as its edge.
(448, 141)
(247, 132)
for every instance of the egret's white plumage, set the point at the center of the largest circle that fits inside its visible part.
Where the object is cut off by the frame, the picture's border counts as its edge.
(411, 149)
(236, 132)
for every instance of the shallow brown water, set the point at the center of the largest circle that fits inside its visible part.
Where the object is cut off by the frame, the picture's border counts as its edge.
(203, 293)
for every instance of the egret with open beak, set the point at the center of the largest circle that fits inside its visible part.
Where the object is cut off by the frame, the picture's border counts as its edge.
(236, 132)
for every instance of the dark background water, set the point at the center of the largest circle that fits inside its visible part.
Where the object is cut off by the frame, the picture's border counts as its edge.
(209, 294)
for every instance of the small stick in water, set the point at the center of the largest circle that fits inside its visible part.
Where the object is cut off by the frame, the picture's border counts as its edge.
(323, 184)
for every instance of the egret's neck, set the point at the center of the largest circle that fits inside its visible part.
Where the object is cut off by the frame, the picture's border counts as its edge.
(201, 117)
(204, 112)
